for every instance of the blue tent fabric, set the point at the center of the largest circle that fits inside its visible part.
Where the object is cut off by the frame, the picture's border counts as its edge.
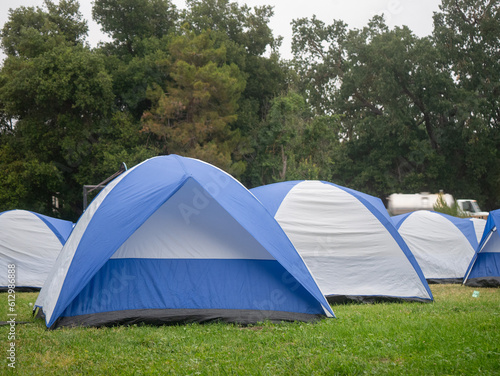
(318, 240)
(60, 227)
(272, 195)
(97, 281)
(484, 269)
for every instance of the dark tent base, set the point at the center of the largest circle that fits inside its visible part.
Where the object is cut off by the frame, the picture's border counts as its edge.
(443, 281)
(21, 289)
(343, 299)
(483, 282)
(179, 316)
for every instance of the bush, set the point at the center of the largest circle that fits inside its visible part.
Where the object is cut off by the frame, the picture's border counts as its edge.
(442, 207)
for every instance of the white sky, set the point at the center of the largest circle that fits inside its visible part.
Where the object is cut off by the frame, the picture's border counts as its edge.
(416, 14)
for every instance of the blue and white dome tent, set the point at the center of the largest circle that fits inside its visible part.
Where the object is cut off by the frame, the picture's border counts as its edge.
(175, 240)
(31, 242)
(442, 244)
(347, 240)
(484, 269)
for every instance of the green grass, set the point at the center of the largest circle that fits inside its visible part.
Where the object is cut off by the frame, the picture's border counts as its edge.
(456, 335)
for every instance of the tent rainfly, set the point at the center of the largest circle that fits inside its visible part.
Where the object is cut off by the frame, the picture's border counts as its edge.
(442, 244)
(30, 242)
(347, 240)
(177, 240)
(484, 269)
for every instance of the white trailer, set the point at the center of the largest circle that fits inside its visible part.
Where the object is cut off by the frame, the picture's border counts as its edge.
(401, 203)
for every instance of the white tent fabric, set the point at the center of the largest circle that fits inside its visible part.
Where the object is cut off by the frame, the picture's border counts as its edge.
(443, 245)
(347, 240)
(31, 242)
(479, 225)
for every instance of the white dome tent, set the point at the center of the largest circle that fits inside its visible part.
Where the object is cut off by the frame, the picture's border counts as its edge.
(347, 240)
(31, 243)
(442, 244)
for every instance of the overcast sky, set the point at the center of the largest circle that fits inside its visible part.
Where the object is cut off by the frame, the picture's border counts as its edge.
(416, 14)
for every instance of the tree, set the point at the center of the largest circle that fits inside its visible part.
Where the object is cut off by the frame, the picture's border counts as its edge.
(55, 98)
(192, 116)
(251, 45)
(292, 145)
(242, 32)
(140, 31)
(130, 21)
(32, 31)
(59, 100)
(132, 75)
(397, 101)
(241, 25)
(278, 139)
(25, 181)
(467, 32)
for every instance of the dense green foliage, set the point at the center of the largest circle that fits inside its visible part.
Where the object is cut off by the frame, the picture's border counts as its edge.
(375, 109)
(458, 334)
(417, 115)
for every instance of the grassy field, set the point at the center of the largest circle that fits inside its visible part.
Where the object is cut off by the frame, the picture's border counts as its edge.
(458, 334)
